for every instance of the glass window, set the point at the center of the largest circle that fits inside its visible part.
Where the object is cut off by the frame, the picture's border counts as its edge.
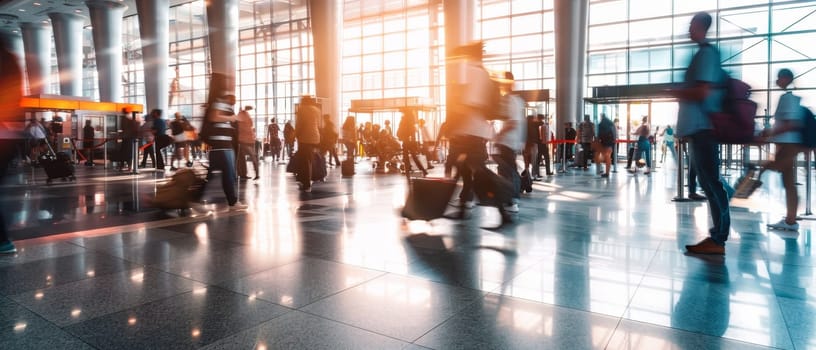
(372, 44)
(795, 17)
(394, 25)
(352, 64)
(793, 47)
(743, 22)
(372, 63)
(693, 6)
(737, 51)
(522, 6)
(651, 32)
(608, 35)
(395, 41)
(495, 8)
(394, 60)
(648, 8)
(527, 24)
(607, 11)
(660, 58)
(496, 28)
(527, 43)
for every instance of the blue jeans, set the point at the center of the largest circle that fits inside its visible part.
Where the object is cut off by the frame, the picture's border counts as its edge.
(224, 160)
(644, 147)
(705, 160)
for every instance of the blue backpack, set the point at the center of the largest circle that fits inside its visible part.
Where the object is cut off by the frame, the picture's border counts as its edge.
(808, 128)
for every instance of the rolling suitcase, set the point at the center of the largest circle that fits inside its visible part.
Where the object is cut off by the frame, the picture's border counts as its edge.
(492, 189)
(428, 198)
(57, 165)
(319, 171)
(184, 187)
(347, 168)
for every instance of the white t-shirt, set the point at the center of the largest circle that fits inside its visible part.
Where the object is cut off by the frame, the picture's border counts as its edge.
(788, 109)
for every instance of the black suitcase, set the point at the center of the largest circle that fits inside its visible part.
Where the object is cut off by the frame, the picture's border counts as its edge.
(56, 167)
(347, 168)
(319, 171)
(428, 198)
(492, 189)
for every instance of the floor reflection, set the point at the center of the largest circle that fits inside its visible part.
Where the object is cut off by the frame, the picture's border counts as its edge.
(588, 263)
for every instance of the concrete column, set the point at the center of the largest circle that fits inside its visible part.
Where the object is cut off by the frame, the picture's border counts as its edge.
(154, 26)
(459, 22)
(106, 18)
(68, 41)
(15, 43)
(327, 24)
(222, 20)
(570, 56)
(37, 45)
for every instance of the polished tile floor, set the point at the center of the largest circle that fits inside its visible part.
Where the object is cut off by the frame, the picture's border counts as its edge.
(590, 263)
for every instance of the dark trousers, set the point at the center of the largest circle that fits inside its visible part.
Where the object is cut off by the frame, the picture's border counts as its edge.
(224, 160)
(305, 154)
(705, 158)
(246, 150)
(89, 152)
(586, 150)
(506, 166)
(351, 148)
(531, 159)
(474, 150)
(332, 154)
(692, 178)
(544, 152)
(409, 151)
(155, 157)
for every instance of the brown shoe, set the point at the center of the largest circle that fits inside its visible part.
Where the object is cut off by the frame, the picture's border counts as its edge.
(706, 246)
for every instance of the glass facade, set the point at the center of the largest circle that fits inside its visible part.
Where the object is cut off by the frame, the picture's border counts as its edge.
(395, 48)
(275, 60)
(646, 42)
(392, 49)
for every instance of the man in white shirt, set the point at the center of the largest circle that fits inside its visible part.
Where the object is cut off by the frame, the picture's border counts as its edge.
(788, 139)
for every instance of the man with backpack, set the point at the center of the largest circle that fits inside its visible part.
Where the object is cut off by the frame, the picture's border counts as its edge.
(701, 97)
(607, 134)
(787, 135)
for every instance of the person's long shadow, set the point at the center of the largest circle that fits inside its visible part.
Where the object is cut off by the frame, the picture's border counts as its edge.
(456, 259)
(704, 305)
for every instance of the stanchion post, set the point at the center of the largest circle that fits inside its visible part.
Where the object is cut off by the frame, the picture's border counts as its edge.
(615, 157)
(681, 151)
(134, 167)
(808, 213)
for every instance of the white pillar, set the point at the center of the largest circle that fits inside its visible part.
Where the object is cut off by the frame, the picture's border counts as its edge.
(570, 57)
(458, 31)
(68, 41)
(222, 20)
(154, 26)
(106, 18)
(37, 45)
(327, 27)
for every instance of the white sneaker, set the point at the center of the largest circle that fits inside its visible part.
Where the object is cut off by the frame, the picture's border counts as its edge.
(238, 206)
(782, 225)
(512, 208)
